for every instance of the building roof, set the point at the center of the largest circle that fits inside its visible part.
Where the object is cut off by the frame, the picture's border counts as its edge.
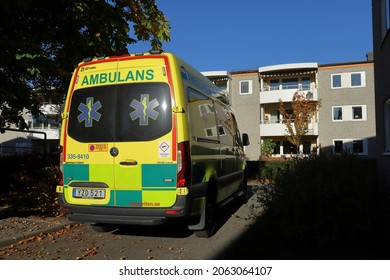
(345, 63)
(288, 67)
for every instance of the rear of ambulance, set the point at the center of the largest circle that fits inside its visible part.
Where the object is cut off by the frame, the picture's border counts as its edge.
(120, 157)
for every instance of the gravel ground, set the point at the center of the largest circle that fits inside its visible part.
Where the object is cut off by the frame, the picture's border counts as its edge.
(15, 226)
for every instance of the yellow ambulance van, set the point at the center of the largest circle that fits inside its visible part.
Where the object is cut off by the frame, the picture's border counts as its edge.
(146, 138)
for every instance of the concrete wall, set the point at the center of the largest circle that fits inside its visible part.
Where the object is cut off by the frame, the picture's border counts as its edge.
(247, 110)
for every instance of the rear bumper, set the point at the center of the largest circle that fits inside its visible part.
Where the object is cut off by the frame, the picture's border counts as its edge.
(184, 207)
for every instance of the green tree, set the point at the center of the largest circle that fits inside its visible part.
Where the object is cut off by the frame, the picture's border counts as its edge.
(297, 119)
(267, 147)
(41, 41)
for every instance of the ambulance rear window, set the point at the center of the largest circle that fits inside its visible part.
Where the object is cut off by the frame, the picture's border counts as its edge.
(121, 113)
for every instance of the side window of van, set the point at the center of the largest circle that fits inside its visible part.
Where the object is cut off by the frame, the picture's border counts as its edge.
(202, 116)
(225, 125)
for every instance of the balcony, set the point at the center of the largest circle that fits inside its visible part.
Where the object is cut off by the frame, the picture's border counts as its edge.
(272, 95)
(279, 129)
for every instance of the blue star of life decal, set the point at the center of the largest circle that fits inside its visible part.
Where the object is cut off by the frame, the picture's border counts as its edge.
(144, 109)
(89, 112)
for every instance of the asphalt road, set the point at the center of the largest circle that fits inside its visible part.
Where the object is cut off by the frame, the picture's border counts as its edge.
(168, 242)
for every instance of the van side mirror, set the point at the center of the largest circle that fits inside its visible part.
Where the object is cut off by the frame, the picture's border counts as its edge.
(245, 139)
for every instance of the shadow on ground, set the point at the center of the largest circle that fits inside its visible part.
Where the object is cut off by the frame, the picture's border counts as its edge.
(263, 242)
(176, 228)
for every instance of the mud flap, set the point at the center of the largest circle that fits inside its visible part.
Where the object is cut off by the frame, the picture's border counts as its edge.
(202, 222)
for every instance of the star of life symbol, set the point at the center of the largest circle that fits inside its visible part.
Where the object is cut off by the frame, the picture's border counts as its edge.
(144, 109)
(89, 112)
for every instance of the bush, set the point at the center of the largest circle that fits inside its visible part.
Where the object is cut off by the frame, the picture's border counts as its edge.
(325, 203)
(269, 170)
(29, 181)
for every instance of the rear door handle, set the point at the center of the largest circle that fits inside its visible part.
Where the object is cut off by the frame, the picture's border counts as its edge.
(129, 162)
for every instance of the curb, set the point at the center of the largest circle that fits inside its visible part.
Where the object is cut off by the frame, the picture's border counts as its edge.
(12, 240)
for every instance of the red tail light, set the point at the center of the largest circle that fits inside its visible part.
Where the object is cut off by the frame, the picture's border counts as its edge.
(183, 165)
(61, 171)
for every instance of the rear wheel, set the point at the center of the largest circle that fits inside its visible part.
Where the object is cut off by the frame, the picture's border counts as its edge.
(243, 198)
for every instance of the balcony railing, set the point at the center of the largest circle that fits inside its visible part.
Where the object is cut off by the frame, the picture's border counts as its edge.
(279, 129)
(286, 95)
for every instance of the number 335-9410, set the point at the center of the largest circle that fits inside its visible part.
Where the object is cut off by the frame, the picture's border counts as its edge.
(78, 156)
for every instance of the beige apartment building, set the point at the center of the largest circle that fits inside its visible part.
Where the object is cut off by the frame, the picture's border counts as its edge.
(344, 123)
(347, 116)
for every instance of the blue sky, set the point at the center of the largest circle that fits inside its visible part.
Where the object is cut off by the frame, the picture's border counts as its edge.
(247, 34)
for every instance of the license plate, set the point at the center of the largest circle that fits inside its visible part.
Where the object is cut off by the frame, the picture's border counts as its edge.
(89, 193)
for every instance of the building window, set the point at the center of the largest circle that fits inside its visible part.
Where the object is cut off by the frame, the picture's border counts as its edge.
(337, 113)
(290, 83)
(348, 80)
(349, 113)
(306, 83)
(275, 116)
(338, 146)
(357, 146)
(274, 84)
(246, 87)
(356, 80)
(276, 150)
(223, 85)
(289, 148)
(306, 148)
(336, 81)
(357, 113)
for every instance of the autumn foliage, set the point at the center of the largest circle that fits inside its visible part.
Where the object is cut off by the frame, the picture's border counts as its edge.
(298, 118)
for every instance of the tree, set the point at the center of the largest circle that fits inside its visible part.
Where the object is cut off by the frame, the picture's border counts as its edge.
(267, 147)
(42, 41)
(298, 118)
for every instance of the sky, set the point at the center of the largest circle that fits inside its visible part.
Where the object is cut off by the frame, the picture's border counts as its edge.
(228, 35)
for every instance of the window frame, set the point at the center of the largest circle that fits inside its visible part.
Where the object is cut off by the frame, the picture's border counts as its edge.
(353, 112)
(348, 146)
(332, 80)
(360, 142)
(360, 81)
(250, 88)
(333, 113)
(347, 113)
(334, 146)
(346, 80)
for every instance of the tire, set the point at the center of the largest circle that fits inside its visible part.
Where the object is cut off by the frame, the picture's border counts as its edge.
(103, 227)
(244, 190)
(211, 219)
